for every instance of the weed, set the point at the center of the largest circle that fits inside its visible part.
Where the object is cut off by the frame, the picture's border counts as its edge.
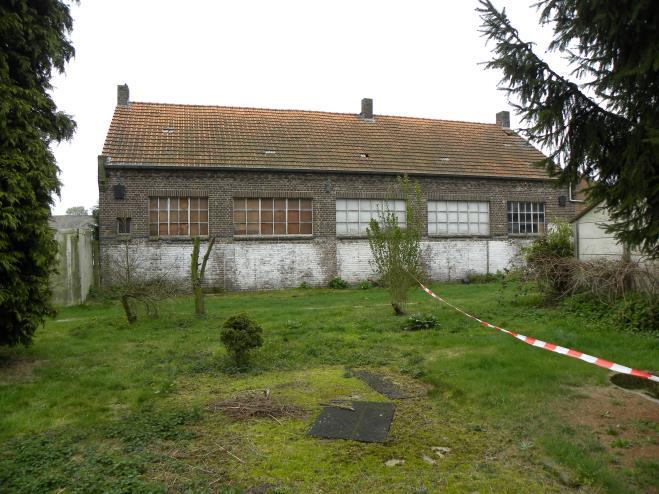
(418, 321)
(621, 443)
(338, 283)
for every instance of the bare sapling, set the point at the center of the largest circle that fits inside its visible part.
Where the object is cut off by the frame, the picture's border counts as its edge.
(197, 273)
(135, 284)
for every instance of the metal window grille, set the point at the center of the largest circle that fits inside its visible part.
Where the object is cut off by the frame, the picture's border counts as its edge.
(526, 217)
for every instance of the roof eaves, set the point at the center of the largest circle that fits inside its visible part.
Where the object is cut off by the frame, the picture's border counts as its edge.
(283, 169)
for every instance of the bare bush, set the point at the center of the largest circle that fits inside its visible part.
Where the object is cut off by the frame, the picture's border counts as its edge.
(134, 284)
(611, 280)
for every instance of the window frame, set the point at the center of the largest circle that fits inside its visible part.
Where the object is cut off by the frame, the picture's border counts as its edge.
(457, 222)
(158, 210)
(260, 222)
(359, 212)
(541, 227)
(126, 221)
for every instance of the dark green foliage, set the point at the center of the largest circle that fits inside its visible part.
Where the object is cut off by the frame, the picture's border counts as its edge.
(638, 314)
(338, 283)
(34, 43)
(56, 462)
(604, 126)
(240, 334)
(416, 322)
(365, 285)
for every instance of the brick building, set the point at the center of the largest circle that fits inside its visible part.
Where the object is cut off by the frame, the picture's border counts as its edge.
(288, 194)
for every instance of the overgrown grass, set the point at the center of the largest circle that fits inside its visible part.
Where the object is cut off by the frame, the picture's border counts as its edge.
(98, 406)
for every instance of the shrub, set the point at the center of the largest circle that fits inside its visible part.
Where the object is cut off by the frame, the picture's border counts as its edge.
(396, 248)
(304, 285)
(365, 285)
(416, 322)
(637, 313)
(240, 334)
(551, 262)
(338, 283)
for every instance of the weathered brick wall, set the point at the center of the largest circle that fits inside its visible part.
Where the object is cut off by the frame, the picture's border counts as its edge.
(264, 264)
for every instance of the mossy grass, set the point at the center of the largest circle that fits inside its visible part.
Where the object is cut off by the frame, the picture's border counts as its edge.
(96, 403)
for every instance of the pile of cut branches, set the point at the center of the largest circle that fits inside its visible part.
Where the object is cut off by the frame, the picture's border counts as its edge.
(256, 403)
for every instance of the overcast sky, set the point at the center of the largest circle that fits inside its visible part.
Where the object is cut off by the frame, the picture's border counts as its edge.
(414, 58)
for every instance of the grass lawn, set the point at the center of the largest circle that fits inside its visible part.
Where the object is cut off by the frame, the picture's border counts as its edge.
(97, 406)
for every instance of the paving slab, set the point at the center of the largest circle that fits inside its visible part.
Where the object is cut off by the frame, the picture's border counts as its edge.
(364, 421)
(382, 385)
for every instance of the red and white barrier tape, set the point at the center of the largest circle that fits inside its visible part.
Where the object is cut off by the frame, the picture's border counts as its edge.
(550, 346)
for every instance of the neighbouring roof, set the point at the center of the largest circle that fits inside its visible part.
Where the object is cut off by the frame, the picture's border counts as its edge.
(147, 134)
(71, 221)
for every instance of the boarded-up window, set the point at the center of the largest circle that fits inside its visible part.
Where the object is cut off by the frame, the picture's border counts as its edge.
(272, 216)
(178, 216)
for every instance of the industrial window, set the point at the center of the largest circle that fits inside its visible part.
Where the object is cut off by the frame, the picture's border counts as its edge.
(271, 216)
(526, 217)
(458, 218)
(178, 216)
(354, 215)
(123, 225)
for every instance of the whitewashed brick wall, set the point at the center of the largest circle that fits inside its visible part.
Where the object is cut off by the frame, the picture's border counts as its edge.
(258, 265)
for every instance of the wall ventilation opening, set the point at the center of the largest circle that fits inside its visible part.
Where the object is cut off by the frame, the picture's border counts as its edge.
(270, 152)
(363, 155)
(168, 130)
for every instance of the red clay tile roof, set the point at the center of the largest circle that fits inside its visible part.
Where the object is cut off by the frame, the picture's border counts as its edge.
(225, 137)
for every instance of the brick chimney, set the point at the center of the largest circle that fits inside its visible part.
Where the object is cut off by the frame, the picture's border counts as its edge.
(367, 108)
(503, 119)
(122, 95)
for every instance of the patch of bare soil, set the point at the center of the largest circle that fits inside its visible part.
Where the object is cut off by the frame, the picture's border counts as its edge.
(17, 370)
(626, 424)
(257, 403)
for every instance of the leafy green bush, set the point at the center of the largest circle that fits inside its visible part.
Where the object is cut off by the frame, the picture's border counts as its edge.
(304, 285)
(365, 285)
(416, 322)
(638, 314)
(338, 283)
(240, 334)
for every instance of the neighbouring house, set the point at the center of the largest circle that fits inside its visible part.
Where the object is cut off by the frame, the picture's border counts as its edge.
(288, 194)
(591, 241)
(74, 235)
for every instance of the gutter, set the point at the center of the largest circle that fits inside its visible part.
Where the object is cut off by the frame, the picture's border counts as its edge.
(129, 166)
(572, 199)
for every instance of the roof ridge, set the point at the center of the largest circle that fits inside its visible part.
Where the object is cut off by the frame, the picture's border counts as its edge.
(229, 107)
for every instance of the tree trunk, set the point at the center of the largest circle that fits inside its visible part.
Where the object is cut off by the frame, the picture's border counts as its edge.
(198, 301)
(398, 309)
(130, 315)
